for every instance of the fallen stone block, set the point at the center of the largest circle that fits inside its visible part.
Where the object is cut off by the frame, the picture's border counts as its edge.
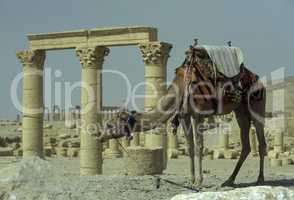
(17, 152)
(48, 126)
(14, 146)
(285, 154)
(73, 152)
(275, 162)
(144, 161)
(206, 151)
(273, 155)
(61, 151)
(6, 151)
(218, 154)
(287, 161)
(47, 151)
(250, 193)
(230, 154)
(209, 157)
(74, 143)
(64, 136)
(70, 125)
(172, 153)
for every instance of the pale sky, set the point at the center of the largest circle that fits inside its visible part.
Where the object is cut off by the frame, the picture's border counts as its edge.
(263, 29)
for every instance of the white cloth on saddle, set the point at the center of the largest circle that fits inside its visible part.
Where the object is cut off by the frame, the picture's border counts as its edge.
(226, 60)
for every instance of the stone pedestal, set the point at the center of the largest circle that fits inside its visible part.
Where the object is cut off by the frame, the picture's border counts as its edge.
(172, 151)
(56, 113)
(253, 141)
(224, 141)
(136, 140)
(32, 102)
(62, 115)
(143, 161)
(155, 55)
(279, 141)
(91, 150)
(275, 162)
(114, 149)
(70, 120)
(125, 142)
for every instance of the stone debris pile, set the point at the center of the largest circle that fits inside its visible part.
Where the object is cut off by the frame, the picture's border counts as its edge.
(251, 193)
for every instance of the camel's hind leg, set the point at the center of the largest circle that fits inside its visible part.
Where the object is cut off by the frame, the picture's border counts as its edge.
(244, 122)
(257, 111)
(186, 124)
(199, 140)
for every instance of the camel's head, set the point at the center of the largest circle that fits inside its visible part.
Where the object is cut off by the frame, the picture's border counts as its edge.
(121, 124)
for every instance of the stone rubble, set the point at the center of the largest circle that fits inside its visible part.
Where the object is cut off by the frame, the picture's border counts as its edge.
(251, 193)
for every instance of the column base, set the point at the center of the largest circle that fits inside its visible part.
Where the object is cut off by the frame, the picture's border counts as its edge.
(172, 153)
(112, 154)
(144, 161)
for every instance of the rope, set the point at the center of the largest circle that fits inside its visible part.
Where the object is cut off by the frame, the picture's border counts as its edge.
(157, 178)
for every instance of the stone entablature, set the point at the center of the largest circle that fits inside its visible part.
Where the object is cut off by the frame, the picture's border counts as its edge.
(113, 36)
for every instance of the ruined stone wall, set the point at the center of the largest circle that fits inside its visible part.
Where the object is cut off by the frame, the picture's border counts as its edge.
(280, 98)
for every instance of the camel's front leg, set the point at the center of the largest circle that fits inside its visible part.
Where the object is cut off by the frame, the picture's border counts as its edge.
(198, 150)
(186, 124)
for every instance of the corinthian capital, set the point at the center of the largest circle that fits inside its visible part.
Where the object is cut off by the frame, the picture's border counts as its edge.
(91, 56)
(33, 58)
(155, 52)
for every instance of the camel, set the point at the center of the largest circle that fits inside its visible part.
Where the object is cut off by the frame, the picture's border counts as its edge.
(190, 107)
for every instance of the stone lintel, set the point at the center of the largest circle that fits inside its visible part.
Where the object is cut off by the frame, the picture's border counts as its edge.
(113, 36)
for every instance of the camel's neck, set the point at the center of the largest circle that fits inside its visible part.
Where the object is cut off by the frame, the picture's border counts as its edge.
(165, 108)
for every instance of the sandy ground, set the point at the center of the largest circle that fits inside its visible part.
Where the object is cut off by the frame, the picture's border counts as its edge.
(58, 177)
(63, 180)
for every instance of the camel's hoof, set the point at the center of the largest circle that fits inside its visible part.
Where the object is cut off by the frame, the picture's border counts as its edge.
(198, 182)
(190, 182)
(260, 181)
(228, 183)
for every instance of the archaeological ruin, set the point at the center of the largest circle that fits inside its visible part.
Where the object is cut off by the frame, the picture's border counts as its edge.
(91, 47)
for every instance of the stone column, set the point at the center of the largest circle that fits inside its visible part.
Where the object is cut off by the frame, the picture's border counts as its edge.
(279, 141)
(91, 150)
(125, 142)
(253, 141)
(113, 151)
(224, 141)
(56, 113)
(47, 114)
(155, 55)
(78, 111)
(172, 151)
(224, 136)
(32, 102)
(70, 119)
(136, 140)
(62, 114)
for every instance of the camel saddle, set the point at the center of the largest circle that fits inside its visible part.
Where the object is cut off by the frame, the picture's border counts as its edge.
(217, 73)
(219, 68)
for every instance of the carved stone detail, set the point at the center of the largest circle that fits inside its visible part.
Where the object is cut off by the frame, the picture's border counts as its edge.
(91, 56)
(155, 52)
(32, 58)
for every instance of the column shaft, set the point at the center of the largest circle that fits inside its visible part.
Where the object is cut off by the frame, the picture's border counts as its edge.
(253, 142)
(32, 102)
(279, 141)
(155, 56)
(91, 150)
(224, 141)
